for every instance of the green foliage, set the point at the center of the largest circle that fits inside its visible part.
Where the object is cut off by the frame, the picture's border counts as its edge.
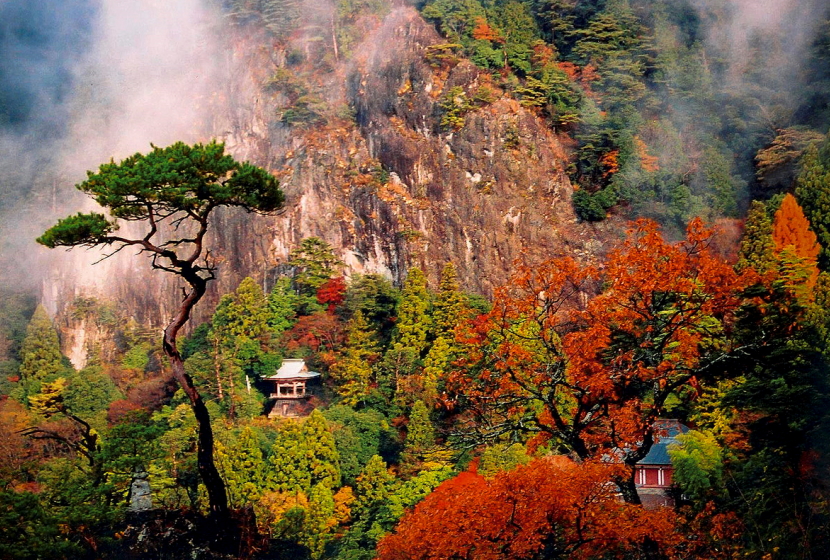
(454, 105)
(414, 323)
(502, 457)
(757, 247)
(306, 110)
(318, 524)
(130, 447)
(16, 310)
(375, 297)
(813, 193)
(179, 178)
(28, 531)
(698, 460)
(353, 370)
(282, 306)
(304, 454)
(448, 310)
(444, 54)
(358, 435)
(593, 207)
(420, 435)
(90, 392)
(409, 493)
(40, 352)
(81, 229)
(314, 262)
(242, 466)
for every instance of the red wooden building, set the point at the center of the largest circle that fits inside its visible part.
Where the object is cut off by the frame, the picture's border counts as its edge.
(653, 474)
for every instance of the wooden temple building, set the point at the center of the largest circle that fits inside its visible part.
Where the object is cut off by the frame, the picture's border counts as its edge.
(653, 474)
(294, 385)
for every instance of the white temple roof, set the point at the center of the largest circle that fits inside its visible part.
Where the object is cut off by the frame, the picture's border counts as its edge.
(292, 369)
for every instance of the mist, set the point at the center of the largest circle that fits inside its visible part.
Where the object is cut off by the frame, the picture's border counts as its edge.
(83, 81)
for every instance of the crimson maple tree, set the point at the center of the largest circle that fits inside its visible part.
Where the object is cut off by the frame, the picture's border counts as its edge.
(585, 358)
(551, 508)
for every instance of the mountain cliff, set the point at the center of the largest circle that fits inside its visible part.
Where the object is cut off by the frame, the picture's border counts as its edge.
(376, 174)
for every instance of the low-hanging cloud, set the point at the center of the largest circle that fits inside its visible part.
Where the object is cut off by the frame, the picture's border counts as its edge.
(83, 81)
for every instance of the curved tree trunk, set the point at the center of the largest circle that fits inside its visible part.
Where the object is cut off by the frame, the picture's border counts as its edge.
(207, 467)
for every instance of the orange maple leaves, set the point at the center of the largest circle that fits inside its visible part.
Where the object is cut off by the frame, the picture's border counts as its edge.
(551, 506)
(587, 356)
(793, 237)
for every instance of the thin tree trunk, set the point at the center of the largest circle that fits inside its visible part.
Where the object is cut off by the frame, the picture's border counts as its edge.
(217, 369)
(207, 468)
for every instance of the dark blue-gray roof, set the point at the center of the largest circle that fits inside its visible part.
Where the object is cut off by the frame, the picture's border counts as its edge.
(659, 454)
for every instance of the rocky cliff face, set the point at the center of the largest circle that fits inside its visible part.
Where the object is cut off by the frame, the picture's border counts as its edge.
(388, 189)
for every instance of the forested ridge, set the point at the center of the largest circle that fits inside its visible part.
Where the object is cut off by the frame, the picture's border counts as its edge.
(447, 425)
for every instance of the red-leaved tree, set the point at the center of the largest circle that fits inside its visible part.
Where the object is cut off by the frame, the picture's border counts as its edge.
(551, 508)
(586, 358)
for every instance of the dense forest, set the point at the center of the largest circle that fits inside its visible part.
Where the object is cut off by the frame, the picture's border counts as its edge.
(446, 424)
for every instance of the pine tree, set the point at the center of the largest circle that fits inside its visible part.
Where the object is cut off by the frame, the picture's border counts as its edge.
(242, 467)
(282, 304)
(315, 262)
(353, 371)
(304, 454)
(420, 435)
(813, 193)
(413, 321)
(436, 365)
(374, 486)
(40, 353)
(449, 307)
(319, 521)
(757, 246)
(240, 335)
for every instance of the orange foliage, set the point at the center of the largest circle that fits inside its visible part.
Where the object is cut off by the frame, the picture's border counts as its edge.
(332, 293)
(610, 162)
(553, 505)
(791, 233)
(572, 70)
(647, 162)
(791, 228)
(483, 32)
(543, 55)
(592, 369)
(16, 451)
(319, 332)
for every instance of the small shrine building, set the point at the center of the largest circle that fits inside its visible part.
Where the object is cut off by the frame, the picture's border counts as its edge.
(294, 385)
(653, 474)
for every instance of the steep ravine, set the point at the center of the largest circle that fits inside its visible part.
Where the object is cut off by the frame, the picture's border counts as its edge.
(388, 190)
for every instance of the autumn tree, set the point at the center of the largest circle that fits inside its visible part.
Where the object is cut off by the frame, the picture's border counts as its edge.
(780, 401)
(314, 262)
(793, 236)
(550, 508)
(172, 193)
(589, 370)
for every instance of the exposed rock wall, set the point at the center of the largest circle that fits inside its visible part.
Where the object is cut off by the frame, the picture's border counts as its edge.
(388, 190)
